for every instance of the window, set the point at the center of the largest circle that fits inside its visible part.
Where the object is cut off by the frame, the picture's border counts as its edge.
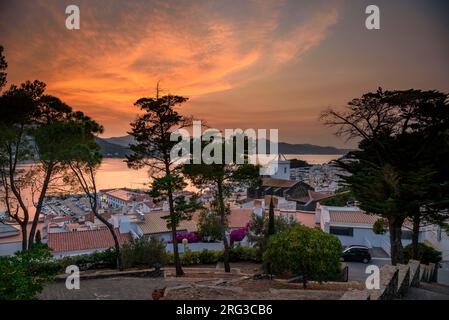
(342, 231)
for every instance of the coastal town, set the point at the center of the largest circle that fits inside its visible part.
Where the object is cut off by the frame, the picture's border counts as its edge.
(135, 213)
(69, 227)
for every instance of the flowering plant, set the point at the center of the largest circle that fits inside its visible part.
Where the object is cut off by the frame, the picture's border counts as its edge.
(191, 237)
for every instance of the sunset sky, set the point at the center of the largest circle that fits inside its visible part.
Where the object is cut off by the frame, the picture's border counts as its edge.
(243, 64)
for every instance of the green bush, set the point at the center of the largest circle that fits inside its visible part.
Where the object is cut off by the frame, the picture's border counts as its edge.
(380, 226)
(97, 260)
(302, 251)
(144, 252)
(239, 253)
(209, 256)
(426, 254)
(209, 225)
(24, 275)
(190, 258)
(205, 256)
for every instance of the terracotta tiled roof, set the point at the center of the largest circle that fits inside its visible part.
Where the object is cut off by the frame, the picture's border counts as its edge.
(317, 196)
(278, 183)
(84, 240)
(239, 217)
(303, 217)
(154, 223)
(352, 217)
(306, 219)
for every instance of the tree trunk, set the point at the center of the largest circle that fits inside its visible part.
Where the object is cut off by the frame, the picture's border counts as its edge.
(110, 227)
(396, 251)
(226, 264)
(39, 206)
(304, 280)
(177, 260)
(23, 227)
(415, 236)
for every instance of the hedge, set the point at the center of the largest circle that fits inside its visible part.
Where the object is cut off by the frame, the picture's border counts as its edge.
(236, 254)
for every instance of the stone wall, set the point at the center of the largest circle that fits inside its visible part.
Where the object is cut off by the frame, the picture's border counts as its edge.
(101, 274)
(395, 281)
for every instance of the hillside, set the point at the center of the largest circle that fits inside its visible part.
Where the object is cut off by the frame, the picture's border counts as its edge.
(111, 150)
(117, 147)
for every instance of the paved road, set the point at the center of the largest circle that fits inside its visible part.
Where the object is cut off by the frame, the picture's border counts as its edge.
(108, 289)
(443, 273)
(357, 269)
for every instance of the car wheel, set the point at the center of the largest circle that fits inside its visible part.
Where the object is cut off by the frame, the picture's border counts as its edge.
(365, 260)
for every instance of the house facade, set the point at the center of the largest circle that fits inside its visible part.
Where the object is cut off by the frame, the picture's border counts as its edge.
(354, 227)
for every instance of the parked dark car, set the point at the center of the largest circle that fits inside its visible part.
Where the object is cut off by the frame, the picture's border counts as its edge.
(356, 253)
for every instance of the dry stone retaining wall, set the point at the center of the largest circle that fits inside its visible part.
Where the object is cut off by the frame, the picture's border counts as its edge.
(395, 281)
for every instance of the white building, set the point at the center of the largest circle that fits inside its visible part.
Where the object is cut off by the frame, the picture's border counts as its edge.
(279, 169)
(354, 227)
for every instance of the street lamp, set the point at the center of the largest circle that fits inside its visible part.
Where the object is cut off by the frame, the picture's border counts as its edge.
(185, 241)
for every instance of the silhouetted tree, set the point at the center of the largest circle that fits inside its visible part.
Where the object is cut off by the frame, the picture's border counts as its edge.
(395, 173)
(3, 66)
(38, 238)
(33, 131)
(271, 228)
(83, 158)
(224, 177)
(18, 107)
(152, 131)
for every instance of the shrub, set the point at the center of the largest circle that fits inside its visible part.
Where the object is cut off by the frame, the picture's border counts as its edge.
(209, 226)
(97, 260)
(144, 252)
(258, 228)
(209, 256)
(380, 226)
(302, 251)
(426, 254)
(23, 275)
(237, 235)
(190, 258)
(205, 256)
(192, 237)
(239, 253)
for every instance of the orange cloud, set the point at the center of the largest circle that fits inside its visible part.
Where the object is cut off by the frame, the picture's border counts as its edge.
(193, 47)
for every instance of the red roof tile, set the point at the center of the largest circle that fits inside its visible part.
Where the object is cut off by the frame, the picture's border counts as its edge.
(278, 183)
(317, 196)
(84, 240)
(239, 217)
(354, 217)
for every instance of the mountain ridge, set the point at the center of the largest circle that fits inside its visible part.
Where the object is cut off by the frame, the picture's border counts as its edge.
(117, 147)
